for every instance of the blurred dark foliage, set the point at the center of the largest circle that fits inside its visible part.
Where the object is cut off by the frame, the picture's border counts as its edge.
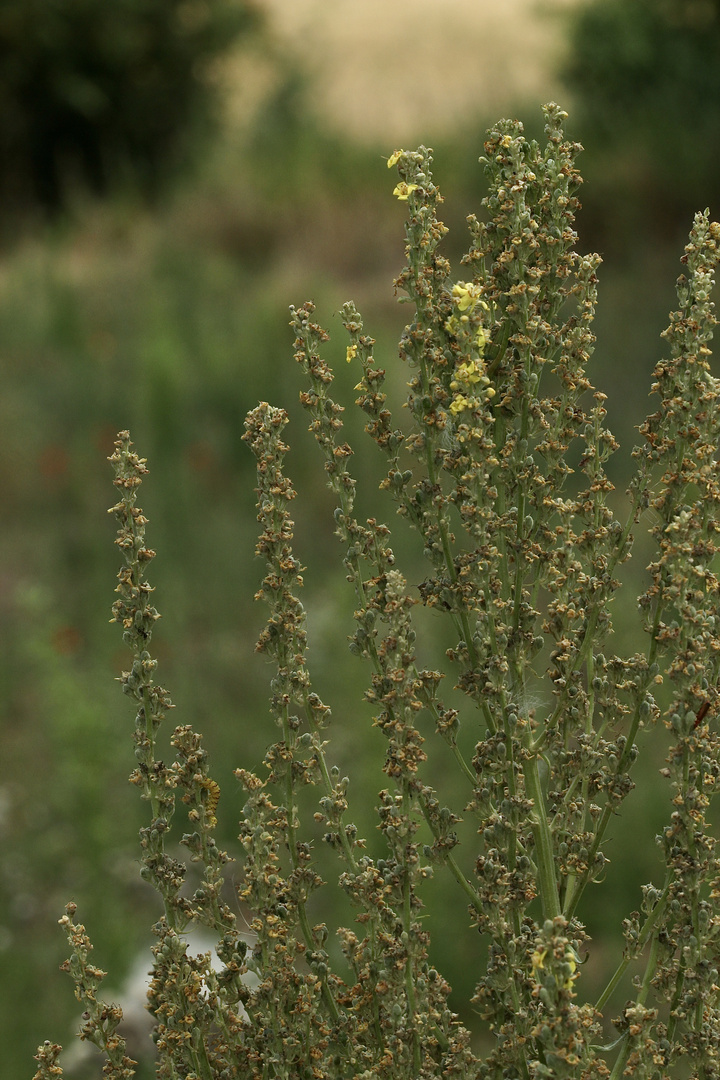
(106, 94)
(645, 75)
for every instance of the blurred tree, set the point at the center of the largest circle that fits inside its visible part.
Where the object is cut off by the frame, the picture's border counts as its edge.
(106, 94)
(646, 75)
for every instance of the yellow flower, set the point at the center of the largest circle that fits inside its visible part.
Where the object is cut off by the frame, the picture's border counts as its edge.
(459, 404)
(394, 158)
(351, 353)
(538, 963)
(403, 190)
(538, 960)
(470, 373)
(481, 339)
(572, 964)
(462, 294)
(468, 295)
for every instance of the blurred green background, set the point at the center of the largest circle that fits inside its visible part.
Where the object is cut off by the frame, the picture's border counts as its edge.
(173, 176)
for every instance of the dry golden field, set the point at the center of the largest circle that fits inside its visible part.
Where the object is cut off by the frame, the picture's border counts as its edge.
(391, 69)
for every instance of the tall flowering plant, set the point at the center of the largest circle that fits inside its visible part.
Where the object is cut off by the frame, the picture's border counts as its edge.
(500, 469)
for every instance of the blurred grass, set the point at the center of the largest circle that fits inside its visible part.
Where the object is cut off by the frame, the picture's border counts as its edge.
(173, 325)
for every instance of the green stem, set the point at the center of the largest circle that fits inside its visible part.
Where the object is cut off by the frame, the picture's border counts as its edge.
(621, 1061)
(452, 863)
(547, 878)
(500, 435)
(290, 741)
(589, 637)
(202, 1062)
(582, 880)
(328, 785)
(407, 926)
(522, 495)
(643, 937)
(464, 627)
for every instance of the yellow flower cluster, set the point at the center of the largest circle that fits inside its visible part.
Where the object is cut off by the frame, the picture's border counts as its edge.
(469, 376)
(403, 189)
(468, 296)
(569, 960)
(459, 404)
